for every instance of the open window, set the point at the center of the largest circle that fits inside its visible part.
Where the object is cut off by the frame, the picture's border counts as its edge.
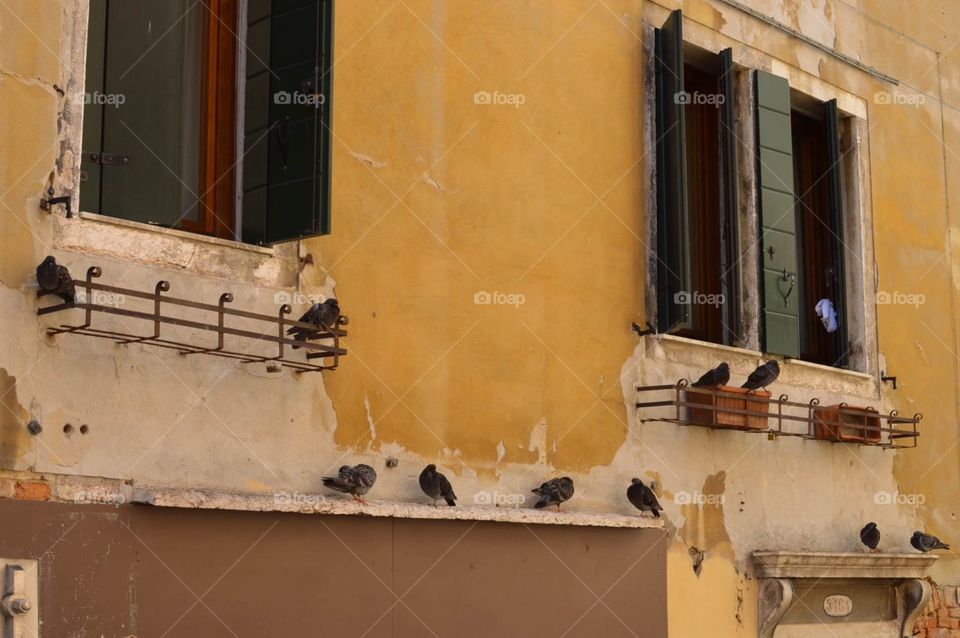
(211, 117)
(697, 279)
(800, 180)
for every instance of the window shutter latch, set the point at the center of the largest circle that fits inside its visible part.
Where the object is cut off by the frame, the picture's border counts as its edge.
(51, 201)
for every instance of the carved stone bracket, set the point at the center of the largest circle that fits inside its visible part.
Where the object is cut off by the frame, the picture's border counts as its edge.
(912, 597)
(776, 597)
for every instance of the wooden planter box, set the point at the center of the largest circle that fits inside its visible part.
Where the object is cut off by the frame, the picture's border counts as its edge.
(832, 425)
(731, 399)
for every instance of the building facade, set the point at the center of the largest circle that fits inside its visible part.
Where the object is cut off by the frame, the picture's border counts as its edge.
(535, 216)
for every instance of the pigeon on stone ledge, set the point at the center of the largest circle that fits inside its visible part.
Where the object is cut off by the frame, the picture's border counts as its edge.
(870, 536)
(436, 486)
(356, 480)
(554, 492)
(643, 498)
(926, 542)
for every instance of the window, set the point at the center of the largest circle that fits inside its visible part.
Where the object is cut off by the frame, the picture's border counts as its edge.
(212, 117)
(696, 186)
(800, 181)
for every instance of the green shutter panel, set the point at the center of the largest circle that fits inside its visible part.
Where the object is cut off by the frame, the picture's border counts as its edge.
(730, 255)
(837, 273)
(286, 184)
(673, 267)
(780, 287)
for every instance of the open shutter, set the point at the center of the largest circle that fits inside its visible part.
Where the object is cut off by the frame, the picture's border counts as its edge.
(286, 185)
(730, 228)
(673, 267)
(836, 273)
(777, 215)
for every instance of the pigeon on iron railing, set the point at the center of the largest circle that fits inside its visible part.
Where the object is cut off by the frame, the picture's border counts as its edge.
(870, 536)
(54, 278)
(762, 376)
(643, 498)
(355, 481)
(926, 542)
(554, 492)
(436, 486)
(718, 376)
(324, 315)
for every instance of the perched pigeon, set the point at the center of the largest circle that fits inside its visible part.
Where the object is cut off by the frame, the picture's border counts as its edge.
(926, 542)
(718, 376)
(323, 315)
(554, 492)
(56, 279)
(763, 376)
(870, 536)
(356, 480)
(643, 498)
(436, 486)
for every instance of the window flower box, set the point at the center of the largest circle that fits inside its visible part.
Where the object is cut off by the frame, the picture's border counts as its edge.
(727, 406)
(847, 423)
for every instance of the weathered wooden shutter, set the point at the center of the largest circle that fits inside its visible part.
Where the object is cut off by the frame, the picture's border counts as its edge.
(730, 255)
(777, 216)
(286, 185)
(837, 273)
(673, 259)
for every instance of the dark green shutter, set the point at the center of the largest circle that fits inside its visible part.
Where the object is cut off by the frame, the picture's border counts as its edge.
(730, 255)
(286, 184)
(837, 275)
(777, 216)
(673, 267)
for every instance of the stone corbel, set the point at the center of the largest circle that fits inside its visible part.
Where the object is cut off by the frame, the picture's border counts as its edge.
(776, 597)
(912, 597)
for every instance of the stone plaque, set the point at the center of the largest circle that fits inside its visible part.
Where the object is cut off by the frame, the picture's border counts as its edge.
(837, 605)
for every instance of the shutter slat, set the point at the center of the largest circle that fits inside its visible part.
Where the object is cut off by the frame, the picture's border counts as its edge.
(777, 215)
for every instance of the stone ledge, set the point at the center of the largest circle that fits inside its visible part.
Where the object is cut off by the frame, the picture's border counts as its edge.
(334, 505)
(781, 564)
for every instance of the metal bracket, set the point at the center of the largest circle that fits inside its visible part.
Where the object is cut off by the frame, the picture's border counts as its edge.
(107, 159)
(50, 202)
(18, 613)
(885, 379)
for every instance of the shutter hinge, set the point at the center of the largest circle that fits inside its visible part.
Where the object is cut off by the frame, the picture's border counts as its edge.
(48, 204)
(108, 159)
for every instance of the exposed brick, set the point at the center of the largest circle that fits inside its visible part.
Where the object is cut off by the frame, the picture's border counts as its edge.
(938, 633)
(32, 490)
(950, 596)
(955, 612)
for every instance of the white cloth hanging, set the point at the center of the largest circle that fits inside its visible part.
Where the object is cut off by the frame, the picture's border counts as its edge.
(827, 314)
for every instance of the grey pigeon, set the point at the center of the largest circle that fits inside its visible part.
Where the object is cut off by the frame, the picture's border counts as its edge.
(356, 480)
(926, 542)
(324, 315)
(763, 376)
(436, 486)
(870, 536)
(718, 376)
(643, 498)
(54, 278)
(554, 492)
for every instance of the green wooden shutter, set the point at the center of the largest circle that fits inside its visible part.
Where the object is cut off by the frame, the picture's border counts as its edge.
(673, 266)
(777, 215)
(286, 185)
(730, 254)
(837, 279)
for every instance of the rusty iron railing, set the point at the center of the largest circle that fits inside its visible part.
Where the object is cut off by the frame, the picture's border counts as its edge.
(716, 409)
(327, 355)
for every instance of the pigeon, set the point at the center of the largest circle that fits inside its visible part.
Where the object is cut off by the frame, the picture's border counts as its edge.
(763, 376)
(325, 315)
(718, 376)
(554, 492)
(356, 480)
(54, 278)
(436, 486)
(643, 498)
(870, 536)
(926, 542)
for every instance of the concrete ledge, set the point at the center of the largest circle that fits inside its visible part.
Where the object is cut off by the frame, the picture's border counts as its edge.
(335, 505)
(781, 564)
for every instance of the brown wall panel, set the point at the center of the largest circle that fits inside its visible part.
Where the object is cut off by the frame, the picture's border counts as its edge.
(142, 571)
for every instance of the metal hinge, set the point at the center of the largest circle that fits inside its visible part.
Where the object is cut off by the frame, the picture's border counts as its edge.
(108, 159)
